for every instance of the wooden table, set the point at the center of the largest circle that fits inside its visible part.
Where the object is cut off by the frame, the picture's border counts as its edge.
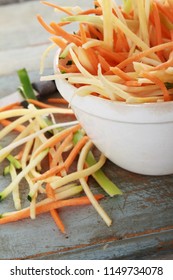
(142, 218)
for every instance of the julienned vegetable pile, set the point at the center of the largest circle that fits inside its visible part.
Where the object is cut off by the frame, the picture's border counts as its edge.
(123, 53)
(54, 159)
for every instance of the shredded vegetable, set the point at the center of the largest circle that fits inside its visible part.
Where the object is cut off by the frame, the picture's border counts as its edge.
(54, 159)
(121, 48)
(26, 87)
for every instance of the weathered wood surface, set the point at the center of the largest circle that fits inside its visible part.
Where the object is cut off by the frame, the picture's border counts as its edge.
(142, 218)
(6, 2)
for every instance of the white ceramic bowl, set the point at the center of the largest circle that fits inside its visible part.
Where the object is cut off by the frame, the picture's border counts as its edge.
(136, 137)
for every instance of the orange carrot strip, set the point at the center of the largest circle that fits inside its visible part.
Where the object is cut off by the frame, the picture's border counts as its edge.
(57, 7)
(157, 23)
(40, 209)
(159, 83)
(171, 35)
(50, 192)
(109, 55)
(40, 104)
(45, 25)
(165, 10)
(74, 152)
(121, 74)
(58, 41)
(165, 31)
(114, 39)
(104, 64)
(63, 23)
(61, 32)
(60, 150)
(152, 36)
(127, 16)
(159, 37)
(93, 31)
(92, 57)
(18, 128)
(57, 220)
(147, 52)
(52, 171)
(88, 34)
(82, 33)
(57, 100)
(97, 11)
(9, 107)
(57, 138)
(85, 59)
(121, 42)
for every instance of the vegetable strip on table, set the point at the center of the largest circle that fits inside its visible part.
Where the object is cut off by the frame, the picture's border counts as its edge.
(57, 184)
(40, 209)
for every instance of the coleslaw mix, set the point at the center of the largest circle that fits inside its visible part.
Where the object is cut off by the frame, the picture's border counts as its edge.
(123, 53)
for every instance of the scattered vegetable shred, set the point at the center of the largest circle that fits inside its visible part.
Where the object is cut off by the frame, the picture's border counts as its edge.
(54, 159)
